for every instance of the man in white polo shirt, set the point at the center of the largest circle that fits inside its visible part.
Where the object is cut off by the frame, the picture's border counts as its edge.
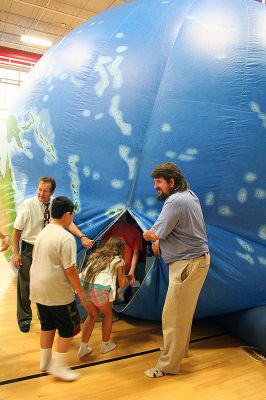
(32, 216)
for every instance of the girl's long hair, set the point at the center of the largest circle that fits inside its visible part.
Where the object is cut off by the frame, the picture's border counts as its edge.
(102, 257)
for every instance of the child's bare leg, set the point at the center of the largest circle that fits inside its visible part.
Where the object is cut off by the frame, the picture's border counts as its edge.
(87, 330)
(63, 344)
(89, 322)
(59, 366)
(46, 344)
(47, 339)
(107, 323)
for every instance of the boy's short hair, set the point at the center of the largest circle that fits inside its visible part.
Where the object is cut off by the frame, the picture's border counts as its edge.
(60, 206)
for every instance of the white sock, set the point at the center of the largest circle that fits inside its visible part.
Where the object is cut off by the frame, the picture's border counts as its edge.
(60, 370)
(107, 346)
(84, 350)
(46, 356)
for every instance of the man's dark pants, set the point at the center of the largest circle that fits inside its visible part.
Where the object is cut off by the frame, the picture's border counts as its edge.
(24, 313)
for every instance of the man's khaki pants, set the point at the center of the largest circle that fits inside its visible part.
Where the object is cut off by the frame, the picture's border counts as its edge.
(186, 278)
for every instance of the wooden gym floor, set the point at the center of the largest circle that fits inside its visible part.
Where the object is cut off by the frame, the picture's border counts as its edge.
(218, 367)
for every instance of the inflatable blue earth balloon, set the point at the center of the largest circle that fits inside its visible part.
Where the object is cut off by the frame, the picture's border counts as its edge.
(138, 85)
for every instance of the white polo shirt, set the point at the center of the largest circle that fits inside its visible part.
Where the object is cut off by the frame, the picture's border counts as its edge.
(29, 219)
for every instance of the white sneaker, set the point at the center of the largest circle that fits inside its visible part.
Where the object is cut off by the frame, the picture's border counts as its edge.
(84, 351)
(106, 347)
(154, 373)
(63, 373)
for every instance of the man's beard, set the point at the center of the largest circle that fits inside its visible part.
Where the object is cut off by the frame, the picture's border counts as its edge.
(163, 196)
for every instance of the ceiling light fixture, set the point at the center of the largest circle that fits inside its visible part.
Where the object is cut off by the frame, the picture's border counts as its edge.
(36, 40)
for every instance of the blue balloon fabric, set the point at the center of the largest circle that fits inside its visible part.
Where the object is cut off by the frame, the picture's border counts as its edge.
(248, 325)
(146, 82)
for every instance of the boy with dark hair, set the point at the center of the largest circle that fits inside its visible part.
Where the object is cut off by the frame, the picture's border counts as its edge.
(53, 276)
(32, 216)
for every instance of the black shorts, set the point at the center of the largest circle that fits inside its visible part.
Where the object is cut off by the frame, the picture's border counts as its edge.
(57, 317)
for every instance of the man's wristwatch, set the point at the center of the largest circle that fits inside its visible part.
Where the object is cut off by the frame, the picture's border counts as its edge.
(83, 235)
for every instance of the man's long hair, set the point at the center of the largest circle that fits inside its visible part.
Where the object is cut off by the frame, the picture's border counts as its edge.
(169, 170)
(102, 257)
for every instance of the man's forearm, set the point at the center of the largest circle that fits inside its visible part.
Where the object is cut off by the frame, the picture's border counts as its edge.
(5, 241)
(85, 241)
(150, 235)
(3, 235)
(16, 239)
(75, 230)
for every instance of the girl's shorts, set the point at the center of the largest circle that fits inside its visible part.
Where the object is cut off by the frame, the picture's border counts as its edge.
(98, 296)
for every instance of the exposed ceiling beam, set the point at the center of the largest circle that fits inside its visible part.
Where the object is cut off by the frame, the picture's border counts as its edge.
(28, 48)
(117, 3)
(52, 18)
(7, 40)
(54, 11)
(46, 32)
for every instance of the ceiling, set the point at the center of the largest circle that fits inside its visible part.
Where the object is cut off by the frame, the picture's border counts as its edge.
(49, 19)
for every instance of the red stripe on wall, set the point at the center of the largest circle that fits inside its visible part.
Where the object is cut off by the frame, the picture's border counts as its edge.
(18, 58)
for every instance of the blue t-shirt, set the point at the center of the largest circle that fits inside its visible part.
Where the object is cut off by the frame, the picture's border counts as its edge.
(181, 228)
